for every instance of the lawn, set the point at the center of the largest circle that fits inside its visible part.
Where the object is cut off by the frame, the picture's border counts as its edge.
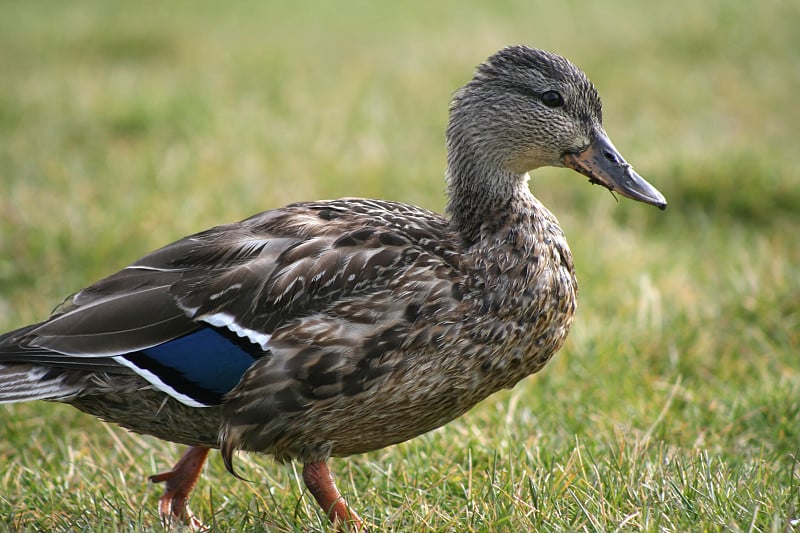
(675, 404)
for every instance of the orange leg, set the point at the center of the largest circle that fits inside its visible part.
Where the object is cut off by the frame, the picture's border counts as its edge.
(179, 484)
(319, 481)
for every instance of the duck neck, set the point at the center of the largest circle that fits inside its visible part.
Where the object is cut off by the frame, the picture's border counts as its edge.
(478, 191)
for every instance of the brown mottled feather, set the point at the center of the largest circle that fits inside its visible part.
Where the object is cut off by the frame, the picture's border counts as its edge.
(463, 324)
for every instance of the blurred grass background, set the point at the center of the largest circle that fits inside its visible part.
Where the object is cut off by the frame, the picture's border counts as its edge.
(675, 405)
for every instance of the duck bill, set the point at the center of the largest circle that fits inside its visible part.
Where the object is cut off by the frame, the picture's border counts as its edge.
(603, 164)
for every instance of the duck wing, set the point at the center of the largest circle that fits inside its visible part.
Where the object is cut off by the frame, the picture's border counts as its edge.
(193, 316)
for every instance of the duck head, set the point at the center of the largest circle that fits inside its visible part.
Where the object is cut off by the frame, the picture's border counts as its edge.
(526, 108)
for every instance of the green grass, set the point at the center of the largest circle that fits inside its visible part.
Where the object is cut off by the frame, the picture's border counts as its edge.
(675, 404)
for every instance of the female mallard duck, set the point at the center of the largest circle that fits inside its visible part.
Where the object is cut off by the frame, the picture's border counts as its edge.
(339, 327)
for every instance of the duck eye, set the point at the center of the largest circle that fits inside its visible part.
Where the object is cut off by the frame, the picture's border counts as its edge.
(552, 99)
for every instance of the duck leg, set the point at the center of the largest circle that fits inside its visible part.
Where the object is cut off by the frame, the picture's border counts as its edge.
(320, 483)
(179, 483)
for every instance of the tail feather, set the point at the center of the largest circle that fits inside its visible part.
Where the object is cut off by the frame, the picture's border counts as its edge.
(21, 382)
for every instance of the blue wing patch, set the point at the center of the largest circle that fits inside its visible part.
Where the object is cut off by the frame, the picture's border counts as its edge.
(203, 365)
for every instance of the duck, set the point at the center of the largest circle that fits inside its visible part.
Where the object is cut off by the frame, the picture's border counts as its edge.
(331, 328)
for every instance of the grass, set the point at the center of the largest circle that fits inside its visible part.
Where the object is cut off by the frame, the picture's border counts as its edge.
(674, 406)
